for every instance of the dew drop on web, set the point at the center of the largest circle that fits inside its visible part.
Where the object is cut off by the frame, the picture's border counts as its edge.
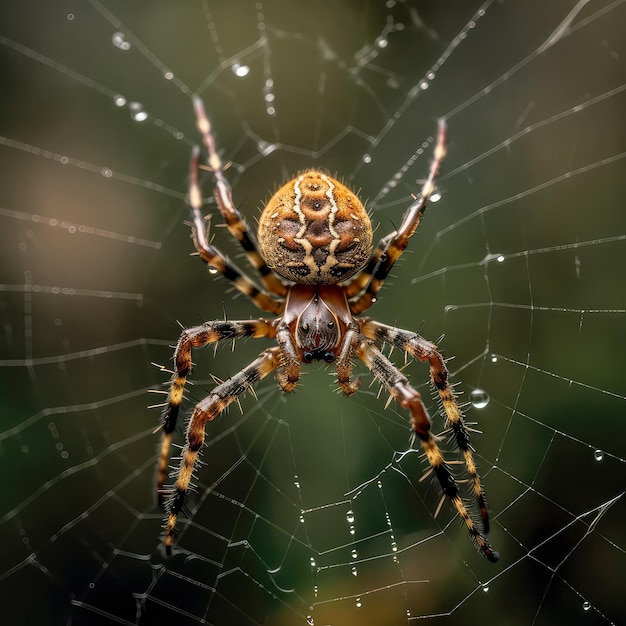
(479, 398)
(119, 41)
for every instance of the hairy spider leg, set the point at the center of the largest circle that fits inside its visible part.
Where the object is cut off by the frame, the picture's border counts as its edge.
(205, 411)
(214, 259)
(235, 221)
(424, 350)
(409, 398)
(364, 287)
(196, 337)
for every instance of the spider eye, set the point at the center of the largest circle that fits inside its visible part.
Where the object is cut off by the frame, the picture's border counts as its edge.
(308, 357)
(329, 357)
(331, 324)
(304, 326)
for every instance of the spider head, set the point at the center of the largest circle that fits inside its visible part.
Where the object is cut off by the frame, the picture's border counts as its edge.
(315, 231)
(317, 331)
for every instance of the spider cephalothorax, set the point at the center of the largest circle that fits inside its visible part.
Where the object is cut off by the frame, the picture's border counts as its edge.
(315, 233)
(317, 317)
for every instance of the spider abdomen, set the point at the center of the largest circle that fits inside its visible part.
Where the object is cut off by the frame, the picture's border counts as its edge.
(315, 231)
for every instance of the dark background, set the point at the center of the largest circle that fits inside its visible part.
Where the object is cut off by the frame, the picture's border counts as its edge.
(521, 265)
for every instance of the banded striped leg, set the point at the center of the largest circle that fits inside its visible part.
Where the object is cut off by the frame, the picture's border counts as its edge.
(196, 337)
(410, 399)
(417, 346)
(364, 287)
(214, 259)
(205, 411)
(235, 222)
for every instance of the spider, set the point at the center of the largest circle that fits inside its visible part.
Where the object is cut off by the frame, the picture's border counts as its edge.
(314, 259)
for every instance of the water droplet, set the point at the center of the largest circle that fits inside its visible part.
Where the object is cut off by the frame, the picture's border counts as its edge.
(269, 97)
(168, 75)
(381, 42)
(137, 112)
(494, 358)
(106, 172)
(479, 398)
(119, 100)
(424, 85)
(270, 111)
(367, 158)
(309, 620)
(358, 603)
(435, 197)
(312, 562)
(485, 587)
(350, 517)
(586, 605)
(379, 484)
(302, 519)
(70, 17)
(296, 482)
(354, 554)
(119, 41)
(394, 546)
(212, 270)
(500, 258)
(240, 70)
(354, 571)
(430, 75)
(352, 530)
(598, 455)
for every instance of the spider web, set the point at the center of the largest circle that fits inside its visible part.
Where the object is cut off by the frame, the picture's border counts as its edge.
(309, 508)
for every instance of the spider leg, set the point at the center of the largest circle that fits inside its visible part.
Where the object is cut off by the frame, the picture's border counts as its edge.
(423, 350)
(235, 221)
(409, 398)
(364, 287)
(214, 259)
(289, 370)
(196, 337)
(205, 411)
(347, 384)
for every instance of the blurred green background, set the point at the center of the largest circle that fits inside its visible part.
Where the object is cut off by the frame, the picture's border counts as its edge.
(520, 265)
